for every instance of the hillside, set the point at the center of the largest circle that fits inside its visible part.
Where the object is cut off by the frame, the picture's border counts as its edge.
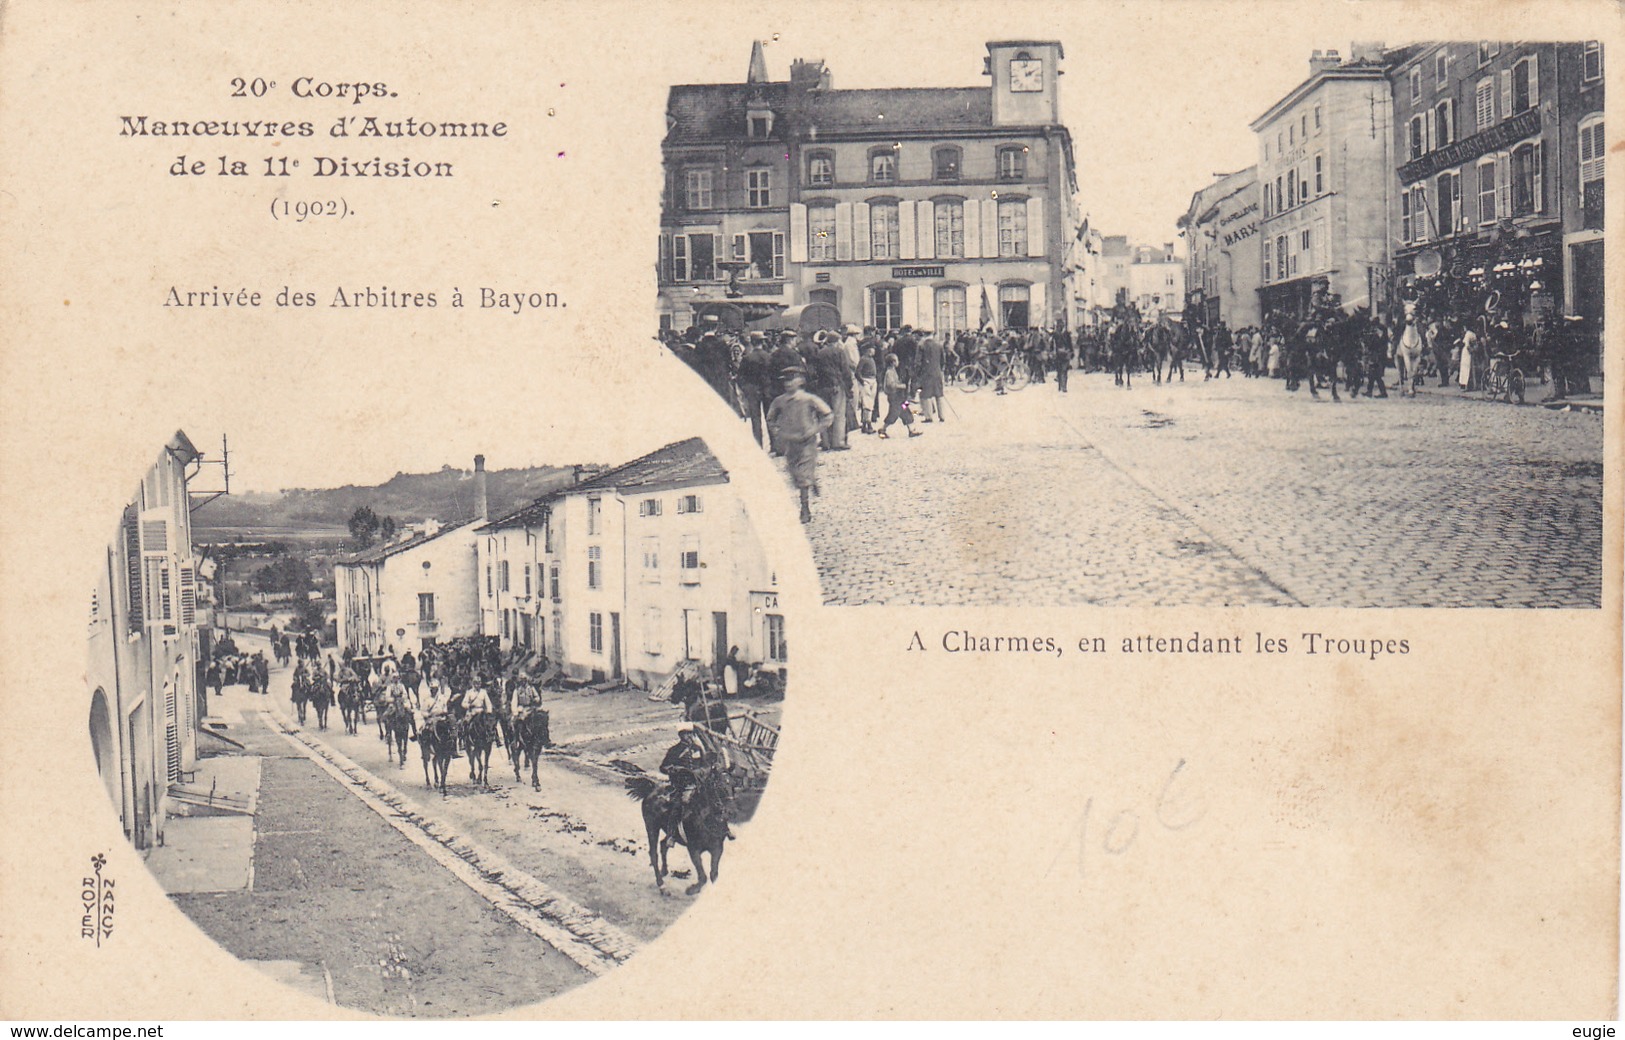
(408, 497)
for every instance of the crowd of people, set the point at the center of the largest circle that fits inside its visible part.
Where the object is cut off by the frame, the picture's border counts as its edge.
(461, 679)
(806, 393)
(803, 393)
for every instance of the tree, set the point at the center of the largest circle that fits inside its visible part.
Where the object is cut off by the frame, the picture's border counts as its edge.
(364, 526)
(387, 528)
(284, 574)
(309, 616)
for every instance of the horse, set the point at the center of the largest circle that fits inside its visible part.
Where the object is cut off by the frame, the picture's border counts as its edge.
(437, 740)
(1166, 342)
(396, 722)
(301, 694)
(1407, 352)
(352, 706)
(703, 827)
(1321, 355)
(321, 698)
(1370, 346)
(526, 737)
(1123, 346)
(479, 733)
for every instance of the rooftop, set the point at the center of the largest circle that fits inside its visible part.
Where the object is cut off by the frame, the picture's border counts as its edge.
(683, 464)
(680, 464)
(388, 549)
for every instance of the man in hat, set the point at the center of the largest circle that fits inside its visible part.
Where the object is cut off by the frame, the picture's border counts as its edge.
(756, 382)
(685, 763)
(833, 384)
(796, 418)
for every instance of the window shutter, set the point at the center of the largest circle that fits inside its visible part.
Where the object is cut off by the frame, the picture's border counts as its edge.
(922, 307)
(869, 308)
(1035, 226)
(172, 736)
(1037, 312)
(905, 231)
(679, 258)
(911, 307)
(843, 231)
(1534, 82)
(1424, 215)
(1506, 93)
(1432, 132)
(1503, 186)
(973, 228)
(694, 634)
(778, 254)
(860, 231)
(990, 226)
(1591, 153)
(665, 259)
(798, 233)
(132, 568)
(1536, 162)
(925, 225)
(188, 596)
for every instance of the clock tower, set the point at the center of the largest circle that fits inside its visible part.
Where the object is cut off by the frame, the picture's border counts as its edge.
(1024, 81)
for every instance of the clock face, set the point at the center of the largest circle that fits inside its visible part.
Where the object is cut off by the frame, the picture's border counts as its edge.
(1026, 75)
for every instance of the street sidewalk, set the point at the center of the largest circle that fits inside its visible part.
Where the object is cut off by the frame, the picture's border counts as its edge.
(1535, 394)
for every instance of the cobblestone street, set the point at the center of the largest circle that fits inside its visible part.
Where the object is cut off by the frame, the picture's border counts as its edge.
(1230, 492)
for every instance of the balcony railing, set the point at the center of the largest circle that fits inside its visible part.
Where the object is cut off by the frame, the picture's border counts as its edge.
(428, 626)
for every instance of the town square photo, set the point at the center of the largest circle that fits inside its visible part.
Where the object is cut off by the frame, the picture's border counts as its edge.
(443, 745)
(1336, 342)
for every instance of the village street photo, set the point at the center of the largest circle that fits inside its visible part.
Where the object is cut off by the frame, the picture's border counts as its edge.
(448, 744)
(1339, 344)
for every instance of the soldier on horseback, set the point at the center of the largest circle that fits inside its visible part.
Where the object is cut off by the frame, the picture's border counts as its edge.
(687, 765)
(441, 702)
(476, 705)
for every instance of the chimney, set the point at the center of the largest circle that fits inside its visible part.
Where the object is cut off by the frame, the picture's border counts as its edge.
(1366, 52)
(481, 503)
(758, 64)
(1320, 61)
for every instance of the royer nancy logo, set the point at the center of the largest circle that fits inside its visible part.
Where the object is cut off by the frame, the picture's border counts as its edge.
(96, 893)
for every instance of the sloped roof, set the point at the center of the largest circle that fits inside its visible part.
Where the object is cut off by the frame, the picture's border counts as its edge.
(683, 463)
(705, 112)
(530, 515)
(380, 552)
(898, 109)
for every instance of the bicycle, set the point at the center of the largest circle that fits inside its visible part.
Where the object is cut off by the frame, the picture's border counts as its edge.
(1503, 378)
(1008, 370)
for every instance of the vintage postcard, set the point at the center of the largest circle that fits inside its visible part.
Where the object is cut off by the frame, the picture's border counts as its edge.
(713, 511)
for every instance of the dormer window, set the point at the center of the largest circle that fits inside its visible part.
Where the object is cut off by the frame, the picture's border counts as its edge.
(759, 123)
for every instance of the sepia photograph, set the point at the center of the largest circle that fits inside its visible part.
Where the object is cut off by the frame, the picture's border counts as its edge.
(1360, 366)
(444, 745)
(1175, 439)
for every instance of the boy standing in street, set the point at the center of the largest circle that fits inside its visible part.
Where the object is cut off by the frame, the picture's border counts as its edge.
(796, 419)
